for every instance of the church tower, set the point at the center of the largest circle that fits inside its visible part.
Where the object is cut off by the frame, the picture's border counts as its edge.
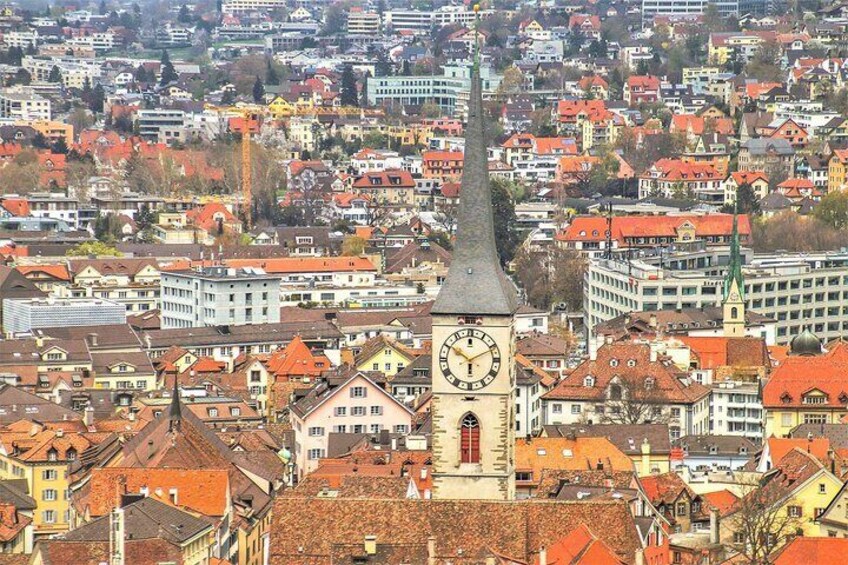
(733, 305)
(473, 398)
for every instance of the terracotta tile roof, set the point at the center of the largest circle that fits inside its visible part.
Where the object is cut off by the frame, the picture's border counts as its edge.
(812, 551)
(442, 156)
(629, 361)
(749, 177)
(205, 216)
(781, 447)
(467, 527)
(559, 453)
(678, 170)
(384, 179)
(297, 360)
(593, 228)
(581, 547)
(697, 125)
(288, 265)
(16, 206)
(206, 491)
(664, 488)
(542, 345)
(567, 110)
(797, 376)
(716, 351)
(721, 500)
(143, 552)
(58, 272)
(644, 81)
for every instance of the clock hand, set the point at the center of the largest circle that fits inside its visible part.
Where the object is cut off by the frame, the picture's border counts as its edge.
(461, 352)
(479, 354)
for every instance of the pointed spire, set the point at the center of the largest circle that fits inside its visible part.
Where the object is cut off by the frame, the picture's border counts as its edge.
(476, 62)
(734, 267)
(175, 415)
(475, 284)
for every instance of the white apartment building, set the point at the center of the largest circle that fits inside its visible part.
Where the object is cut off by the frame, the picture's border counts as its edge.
(363, 24)
(809, 114)
(162, 125)
(219, 296)
(99, 41)
(55, 206)
(699, 78)
(651, 8)
(797, 290)
(22, 103)
(26, 314)
(449, 91)
(248, 6)
(75, 72)
(22, 39)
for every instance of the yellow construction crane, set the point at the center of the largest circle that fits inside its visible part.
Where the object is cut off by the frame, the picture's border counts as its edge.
(247, 123)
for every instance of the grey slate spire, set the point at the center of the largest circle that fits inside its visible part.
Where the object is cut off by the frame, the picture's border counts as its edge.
(175, 414)
(475, 284)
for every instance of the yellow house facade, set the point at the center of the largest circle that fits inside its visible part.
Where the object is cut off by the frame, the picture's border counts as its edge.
(384, 355)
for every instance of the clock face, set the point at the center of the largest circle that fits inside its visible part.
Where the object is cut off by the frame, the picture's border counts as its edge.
(470, 359)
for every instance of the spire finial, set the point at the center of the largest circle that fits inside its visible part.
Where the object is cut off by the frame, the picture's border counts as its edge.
(734, 268)
(477, 37)
(175, 414)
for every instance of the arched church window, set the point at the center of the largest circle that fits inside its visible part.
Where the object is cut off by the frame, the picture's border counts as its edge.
(469, 443)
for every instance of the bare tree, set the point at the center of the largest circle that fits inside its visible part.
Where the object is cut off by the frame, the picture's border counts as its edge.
(764, 519)
(635, 399)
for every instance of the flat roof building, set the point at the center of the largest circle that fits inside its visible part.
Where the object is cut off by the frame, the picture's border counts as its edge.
(26, 314)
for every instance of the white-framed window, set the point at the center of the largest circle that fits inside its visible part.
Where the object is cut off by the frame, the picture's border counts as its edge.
(401, 429)
(357, 411)
(314, 454)
(48, 494)
(376, 410)
(340, 411)
(49, 475)
(48, 516)
(556, 408)
(575, 409)
(316, 431)
(358, 392)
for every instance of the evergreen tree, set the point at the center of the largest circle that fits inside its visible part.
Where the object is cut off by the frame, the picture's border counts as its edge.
(258, 90)
(39, 141)
(506, 231)
(97, 99)
(229, 97)
(55, 75)
(168, 73)
(141, 74)
(15, 55)
(407, 69)
(184, 16)
(61, 146)
(349, 96)
(271, 75)
(22, 77)
(103, 10)
(31, 50)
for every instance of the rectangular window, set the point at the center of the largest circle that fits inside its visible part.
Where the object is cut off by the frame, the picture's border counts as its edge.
(340, 411)
(794, 511)
(48, 494)
(358, 411)
(48, 475)
(358, 392)
(48, 516)
(557, 408)
(401, 429)
(575, 409)
(376, 410)
(316, 432)
(314, 454)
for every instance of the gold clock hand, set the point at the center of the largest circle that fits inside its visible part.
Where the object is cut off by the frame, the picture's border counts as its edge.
(461, 352)
(482, 353)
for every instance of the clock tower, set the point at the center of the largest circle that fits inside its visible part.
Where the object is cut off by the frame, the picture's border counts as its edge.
(473, 399)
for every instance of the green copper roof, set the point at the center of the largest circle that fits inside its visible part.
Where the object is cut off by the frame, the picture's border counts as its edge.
(734, 268)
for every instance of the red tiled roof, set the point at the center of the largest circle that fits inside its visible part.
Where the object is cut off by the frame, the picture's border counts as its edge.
(631, 363)
(385, 179)
(581, 547)
(780, 447)
(297, 360)
(797, 376)
(288, 265)
(16, 206)
(206, 491)
(677, 170)
(812, 551)
(749, 177)
(721, 500)
(59, 272)
(593, 228)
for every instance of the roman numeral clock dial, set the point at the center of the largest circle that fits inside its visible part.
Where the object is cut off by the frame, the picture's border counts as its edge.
(470, 359)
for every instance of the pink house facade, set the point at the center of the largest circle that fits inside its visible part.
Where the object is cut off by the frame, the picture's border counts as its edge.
(356, 406)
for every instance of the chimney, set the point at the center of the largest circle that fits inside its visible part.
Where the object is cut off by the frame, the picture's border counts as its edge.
(92, 339)
(640, 557)
(543, 556)
(370, 545)
(131, 416)
(627, 319)
(431, 550)
(39, 342)
(88, 415)
(714, 523)
(60, 432)
(652, 321)
(646, 456)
